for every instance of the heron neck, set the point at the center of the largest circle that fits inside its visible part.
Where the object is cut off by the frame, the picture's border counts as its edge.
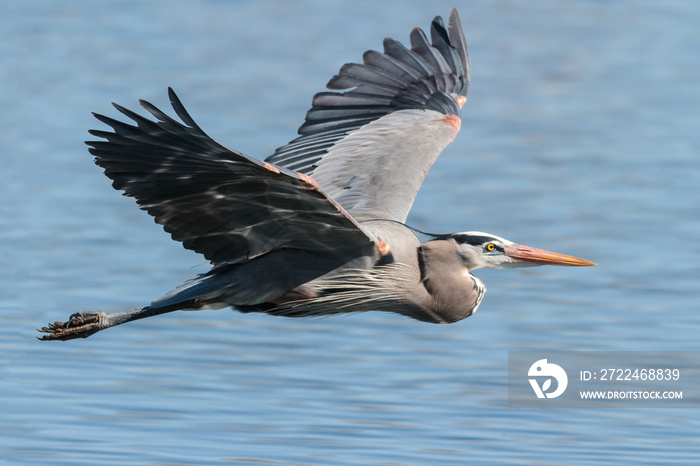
(447, 292)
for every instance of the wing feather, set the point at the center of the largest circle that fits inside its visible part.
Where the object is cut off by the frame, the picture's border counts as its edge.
(421, 46)
(459, 43)
(397, 50)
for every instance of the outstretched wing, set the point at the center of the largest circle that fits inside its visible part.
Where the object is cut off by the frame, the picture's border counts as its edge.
(370, 148)
(218, 202)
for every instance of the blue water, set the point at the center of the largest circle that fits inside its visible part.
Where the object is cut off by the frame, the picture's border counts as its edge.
(580, 135)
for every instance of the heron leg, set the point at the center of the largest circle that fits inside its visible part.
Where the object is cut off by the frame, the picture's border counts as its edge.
(84, 324)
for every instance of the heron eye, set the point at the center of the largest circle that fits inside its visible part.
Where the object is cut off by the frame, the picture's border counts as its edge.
(490, 247)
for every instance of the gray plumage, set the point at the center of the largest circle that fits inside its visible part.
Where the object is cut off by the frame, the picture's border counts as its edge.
(318, 227)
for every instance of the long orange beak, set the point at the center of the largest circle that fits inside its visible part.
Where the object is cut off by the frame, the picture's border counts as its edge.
(520, 253)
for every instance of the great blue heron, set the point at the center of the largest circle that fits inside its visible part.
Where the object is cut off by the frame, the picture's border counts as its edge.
(318, 228)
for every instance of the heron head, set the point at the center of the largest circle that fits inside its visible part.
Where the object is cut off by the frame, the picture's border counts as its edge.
(479, 249)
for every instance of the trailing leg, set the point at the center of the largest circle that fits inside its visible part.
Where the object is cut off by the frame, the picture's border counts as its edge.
(84, 324)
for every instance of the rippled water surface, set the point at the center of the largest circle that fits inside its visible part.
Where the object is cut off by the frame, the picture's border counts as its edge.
(580, 135)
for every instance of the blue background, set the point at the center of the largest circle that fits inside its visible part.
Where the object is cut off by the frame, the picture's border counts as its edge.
(580, 135)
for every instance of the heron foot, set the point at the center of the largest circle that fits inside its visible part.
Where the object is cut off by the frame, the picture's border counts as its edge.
(79, 325)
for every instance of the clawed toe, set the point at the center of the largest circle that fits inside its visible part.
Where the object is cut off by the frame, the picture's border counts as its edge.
(79, 325)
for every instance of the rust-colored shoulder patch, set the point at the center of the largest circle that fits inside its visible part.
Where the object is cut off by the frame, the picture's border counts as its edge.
(271, 167)
(460, 100)
(382, 247)
(454, 121)
(309, 180)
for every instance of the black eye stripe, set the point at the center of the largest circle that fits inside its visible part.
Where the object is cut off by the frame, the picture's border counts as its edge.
(473, 240)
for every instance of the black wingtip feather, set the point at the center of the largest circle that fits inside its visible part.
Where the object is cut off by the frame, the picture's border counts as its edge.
(458, 41)
(180, 109)
(158, 113)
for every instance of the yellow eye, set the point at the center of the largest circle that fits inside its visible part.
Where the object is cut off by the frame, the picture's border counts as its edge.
(490, 247)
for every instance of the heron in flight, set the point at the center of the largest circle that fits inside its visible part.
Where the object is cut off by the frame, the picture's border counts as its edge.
(318, 227)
